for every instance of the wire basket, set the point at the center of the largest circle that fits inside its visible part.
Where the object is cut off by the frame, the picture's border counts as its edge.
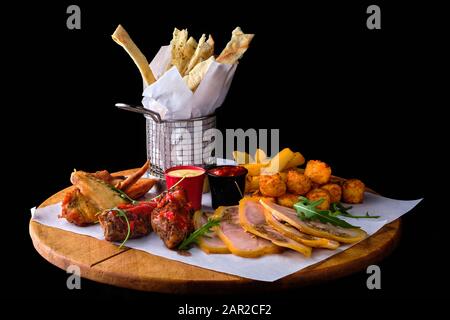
(176, 142)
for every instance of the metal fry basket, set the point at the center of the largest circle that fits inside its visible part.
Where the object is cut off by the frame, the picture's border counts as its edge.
(176, 142)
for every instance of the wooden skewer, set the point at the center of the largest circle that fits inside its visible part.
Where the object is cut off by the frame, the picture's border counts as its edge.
(122, 37)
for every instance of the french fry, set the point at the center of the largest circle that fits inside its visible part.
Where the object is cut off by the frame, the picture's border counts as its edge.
(260, 156)
(122, 37)
(296, 161)
(279, 162)
(254, 169)
(242, 157)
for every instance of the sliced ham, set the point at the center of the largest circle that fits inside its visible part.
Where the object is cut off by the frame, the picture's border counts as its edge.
(210, 242)
(252, 219)
(294, 234)
(238, 241)
(312, 227)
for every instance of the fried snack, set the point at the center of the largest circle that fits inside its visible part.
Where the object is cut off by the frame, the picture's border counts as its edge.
(236, 47)
(256, 196)
(251, 183)
(335, 191)
(125, 184)
(287, 200)
(272, 185)
(298, 183)
(318, 171)
(353, 191)
(122, 38)
(296, 161)
(197, 74)
(204, 50)
(279, 162)
(317, 194)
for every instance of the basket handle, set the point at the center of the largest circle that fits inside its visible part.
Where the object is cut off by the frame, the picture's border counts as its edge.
(139, 109)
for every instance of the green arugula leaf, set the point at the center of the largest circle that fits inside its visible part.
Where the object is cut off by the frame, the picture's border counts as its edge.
(307, 210)
(339, 209)
(194, 236)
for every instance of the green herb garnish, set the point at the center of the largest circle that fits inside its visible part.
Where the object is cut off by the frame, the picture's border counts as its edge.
(307, 210)
(123, 214)
(339, 210)
(194, 236)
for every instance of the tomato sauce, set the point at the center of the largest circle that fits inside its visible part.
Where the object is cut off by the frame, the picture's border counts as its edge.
(228, 171)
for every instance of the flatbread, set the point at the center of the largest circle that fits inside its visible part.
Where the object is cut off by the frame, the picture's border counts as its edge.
(122, 37)
(197, 74)
(236, 47)
(204, 50)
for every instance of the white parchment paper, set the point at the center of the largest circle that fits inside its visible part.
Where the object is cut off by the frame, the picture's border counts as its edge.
(171, 97)
(267, 268)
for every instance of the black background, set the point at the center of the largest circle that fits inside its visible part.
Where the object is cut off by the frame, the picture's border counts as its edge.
(361, 100)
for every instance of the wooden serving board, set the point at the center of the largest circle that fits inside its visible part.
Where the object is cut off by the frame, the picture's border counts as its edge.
(104, 262)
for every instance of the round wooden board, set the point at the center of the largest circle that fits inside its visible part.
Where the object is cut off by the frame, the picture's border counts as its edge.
(103, 262)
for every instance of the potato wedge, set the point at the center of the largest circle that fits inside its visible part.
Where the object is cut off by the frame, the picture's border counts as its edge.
(242, 157)
(279, 162)
(297, 160)
(260, 156)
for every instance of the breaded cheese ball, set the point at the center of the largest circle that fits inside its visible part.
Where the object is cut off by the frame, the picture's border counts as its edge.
(298, 183)
(318, 171)
(287, 200)
(317, 194)
(272, 185)
(335, 191)
(353, 191)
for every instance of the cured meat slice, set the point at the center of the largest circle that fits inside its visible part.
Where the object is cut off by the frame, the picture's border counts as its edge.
(294, 234)
(315, 228)
(238, 241)
(252, 219)
(210, 242)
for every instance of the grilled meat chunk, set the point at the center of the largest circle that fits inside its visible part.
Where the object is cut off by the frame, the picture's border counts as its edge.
(172, 219)
(115, 226)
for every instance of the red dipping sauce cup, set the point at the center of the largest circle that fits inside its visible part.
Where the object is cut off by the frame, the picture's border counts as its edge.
(227, 184)
(192, 184)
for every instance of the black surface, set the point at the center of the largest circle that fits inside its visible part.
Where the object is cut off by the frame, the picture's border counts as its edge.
(363, 101)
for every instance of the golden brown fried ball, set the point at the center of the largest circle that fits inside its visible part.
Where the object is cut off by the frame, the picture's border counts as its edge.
(297, 182)
(335, 191)
(318, 171)
(287, 200)
(317, 194)
(353, 191)
(272, 185)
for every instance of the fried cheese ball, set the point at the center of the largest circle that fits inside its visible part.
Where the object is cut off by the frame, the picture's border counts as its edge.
(318, 171)
(272, 185)
(287, 200)
(335, 191)
(353, 191)
(298, 183)
(317, 194)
